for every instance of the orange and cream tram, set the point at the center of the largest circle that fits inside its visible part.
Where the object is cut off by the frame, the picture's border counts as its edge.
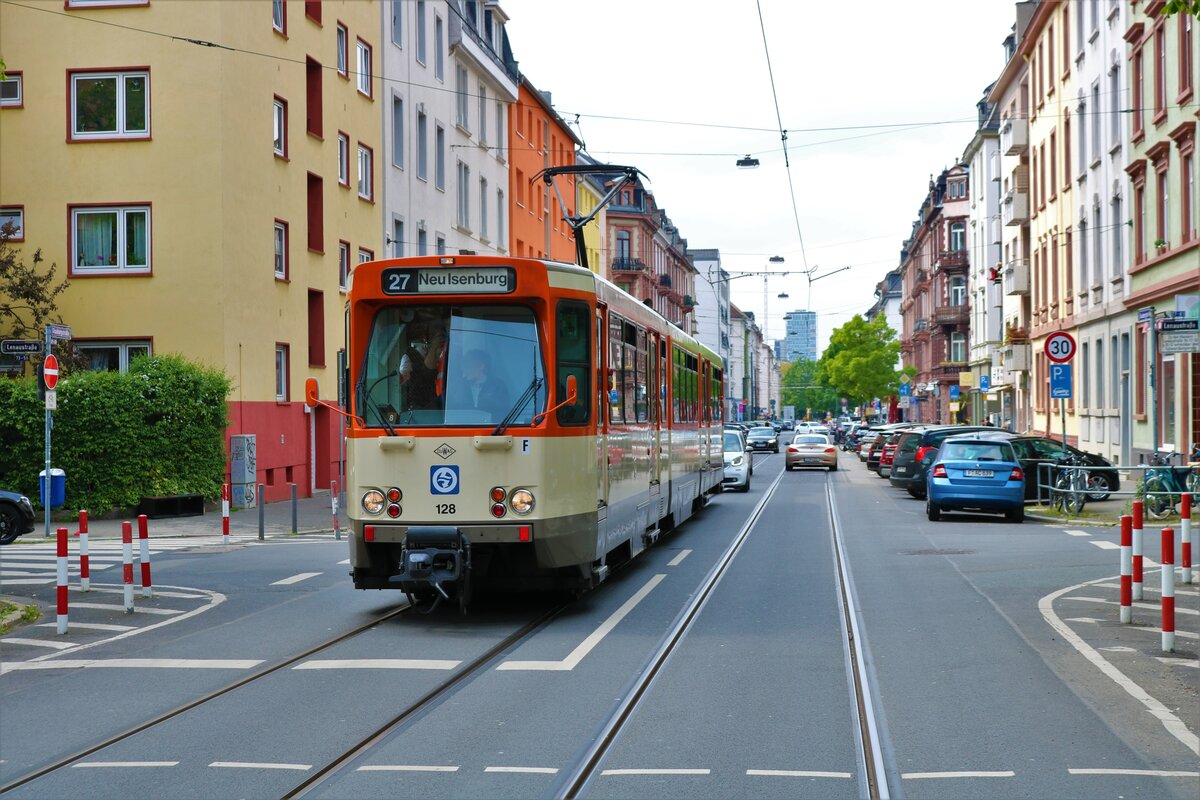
(516, 423)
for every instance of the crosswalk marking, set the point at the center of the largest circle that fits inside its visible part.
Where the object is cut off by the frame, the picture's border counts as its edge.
(90, 626)
(37, 643)
(1103, 545)
(303, 576)
(166, 612)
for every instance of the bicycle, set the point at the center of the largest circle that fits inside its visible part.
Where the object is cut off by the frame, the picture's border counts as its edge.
(1165, 484)
(1071, 486)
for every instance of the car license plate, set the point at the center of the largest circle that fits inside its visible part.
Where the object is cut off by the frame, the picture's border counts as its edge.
(811, 460)
(901, 469)
(978, 473)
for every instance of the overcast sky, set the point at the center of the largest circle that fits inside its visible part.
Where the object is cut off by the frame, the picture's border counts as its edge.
(897, 82)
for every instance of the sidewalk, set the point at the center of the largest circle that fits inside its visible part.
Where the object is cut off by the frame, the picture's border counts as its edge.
(1104, 513)
(313, 515)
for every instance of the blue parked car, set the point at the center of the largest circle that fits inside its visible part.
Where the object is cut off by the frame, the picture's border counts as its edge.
(977, 473)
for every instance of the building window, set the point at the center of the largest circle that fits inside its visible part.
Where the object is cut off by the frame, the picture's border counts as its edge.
(1186, 56)
(279, 16)
(343, 50)
(343, 159)
(483, 208)
(1116, 120)
(281, 373)
(107, 105)
(1096, 125)
(365, 167)
(1118, 229)
(343, 265)
(397, 238)
(1187, 200)
(398, 132)
(104, 356)
(439, 167)
(1160, 71)
(501, 237)
(364, 68)
(312, 10)
(1098, 244)
(1139, 223)
(422, 146)
(1085, 376)
(316, 213)
(11, 91)
(439, 50)
(464, 199)
(482, 113)
(421, 31)
(281, 250)
(958, 236)
(111, 239)
(440, 243)
(1135, 102)
(280, 127)
(1163, 227)
(460, 92)
(500, 125)
(365, 255)
(958, 291)
(12, 223)
(316, 328)
(314, 120)
(422, 242)
(397, 23)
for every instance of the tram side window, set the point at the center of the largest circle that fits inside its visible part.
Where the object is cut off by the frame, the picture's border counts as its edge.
(629, 370)
(715, 395)
(573, 359)
(642, 407)
(616, 405)
(677, 385)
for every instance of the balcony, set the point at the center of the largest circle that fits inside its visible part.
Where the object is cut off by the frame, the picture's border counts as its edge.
(1016, 276)
(628, 264)
(664, 284)
(951, 260)
(1014, 136)
(1015, 207)
(1016, 356)
(951, 315)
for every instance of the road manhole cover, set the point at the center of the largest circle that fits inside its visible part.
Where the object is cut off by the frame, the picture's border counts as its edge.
(937, 552)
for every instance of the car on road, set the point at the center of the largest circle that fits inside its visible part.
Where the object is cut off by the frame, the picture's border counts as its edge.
(975, 472)
(811, 450)
(739, 464)
(764, 438)
(16, 516)
(910, 462)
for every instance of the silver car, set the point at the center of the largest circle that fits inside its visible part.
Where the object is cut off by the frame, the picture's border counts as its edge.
(739, 464)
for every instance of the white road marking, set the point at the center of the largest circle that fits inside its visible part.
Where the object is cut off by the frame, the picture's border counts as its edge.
(677, 560)
(27, 581)
(89, 626)
(84, 764)
(377, 663)
(256, 765)
(1105, 545)
(1007, 773)
(39, 642)
(344, 561)
(303, 576)
(656, 772)
(1179, 662)
(593, 639)
(530, 770)
(1119, 649)
(157, 593)
(1152, 629)
(1174, 725)
(1156, 773)
(1152, 590)
(135, 663)
(165, 612)
(404, 768)
(1084, 619)
(1151, 606)
(797, 773)
(1077, 533)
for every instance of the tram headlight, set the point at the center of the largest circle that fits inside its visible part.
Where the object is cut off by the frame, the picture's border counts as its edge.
(521, 501)
(372, 501)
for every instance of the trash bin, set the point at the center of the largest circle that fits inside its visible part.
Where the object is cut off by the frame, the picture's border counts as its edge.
(58, 487)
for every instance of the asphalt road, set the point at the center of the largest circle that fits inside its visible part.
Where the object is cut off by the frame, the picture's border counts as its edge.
(977, 694)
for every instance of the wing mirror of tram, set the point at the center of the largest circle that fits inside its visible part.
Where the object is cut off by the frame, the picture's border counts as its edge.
(311, 393)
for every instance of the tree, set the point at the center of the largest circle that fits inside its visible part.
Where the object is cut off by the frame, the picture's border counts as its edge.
(1186, 6)
(804, 386)
(29, 296)
(860, 362)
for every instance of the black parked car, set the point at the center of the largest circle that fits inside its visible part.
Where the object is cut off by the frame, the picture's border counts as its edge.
(915, 451)
(16, 516)
(1034, 450)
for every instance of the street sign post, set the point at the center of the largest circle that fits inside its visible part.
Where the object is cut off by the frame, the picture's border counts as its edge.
(985, 383)
(20, 346)
(50, 371)
(59, 332)
(955, 393)
(1060, 381)
(1060, 349)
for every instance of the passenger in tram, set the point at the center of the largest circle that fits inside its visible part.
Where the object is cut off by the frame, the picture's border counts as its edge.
(480, 389)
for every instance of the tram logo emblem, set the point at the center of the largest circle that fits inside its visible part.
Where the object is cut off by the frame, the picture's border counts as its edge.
(444, 451)
(443, 480)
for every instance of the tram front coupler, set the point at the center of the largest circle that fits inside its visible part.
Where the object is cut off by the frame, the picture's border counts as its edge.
(435, 563)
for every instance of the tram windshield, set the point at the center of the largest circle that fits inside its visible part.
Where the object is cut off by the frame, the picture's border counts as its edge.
(451, 365)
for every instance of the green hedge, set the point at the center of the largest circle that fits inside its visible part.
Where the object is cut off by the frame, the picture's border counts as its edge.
(157, 429)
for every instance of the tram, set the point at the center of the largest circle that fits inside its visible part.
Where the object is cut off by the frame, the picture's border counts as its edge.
(516, 423)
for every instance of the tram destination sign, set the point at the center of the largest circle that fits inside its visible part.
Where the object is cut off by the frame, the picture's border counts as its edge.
(449, 280)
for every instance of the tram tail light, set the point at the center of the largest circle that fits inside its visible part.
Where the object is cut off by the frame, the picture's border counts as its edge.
(498, 510)
(498, 494)
(368, 533)
(393, 510)
(394, 495)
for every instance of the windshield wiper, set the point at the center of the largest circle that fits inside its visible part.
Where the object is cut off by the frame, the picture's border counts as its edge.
(526, 395)
(363, 395)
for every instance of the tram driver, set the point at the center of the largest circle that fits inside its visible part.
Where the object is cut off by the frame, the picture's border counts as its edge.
(420, 364)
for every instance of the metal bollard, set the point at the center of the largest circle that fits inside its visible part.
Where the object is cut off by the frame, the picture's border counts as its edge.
(61, 589)
(1126, 568)
(85, 568)
(144, 554)
(333, 497)
(295, 511)
(1168, 590)
(127, 564)
(1137, 549)
(262, 510)
(225, 513)
(1187, 537)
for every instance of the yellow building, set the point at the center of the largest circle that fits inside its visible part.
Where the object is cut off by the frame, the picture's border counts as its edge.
(207, 190)
(588, 194)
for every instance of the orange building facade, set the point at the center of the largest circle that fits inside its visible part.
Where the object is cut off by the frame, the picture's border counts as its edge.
(539, 139)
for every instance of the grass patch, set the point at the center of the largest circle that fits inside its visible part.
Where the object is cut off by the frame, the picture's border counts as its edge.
(28, 614)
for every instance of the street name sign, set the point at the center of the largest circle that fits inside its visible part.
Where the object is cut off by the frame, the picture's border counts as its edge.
(20, 346)
(1060, 381)
(59, 331)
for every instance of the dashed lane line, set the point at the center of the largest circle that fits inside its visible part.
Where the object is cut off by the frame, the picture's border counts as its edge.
(404, 768)
(37, 643)
(797, 773)
(303, 576)
(134, 663)
(1077, 533)
(1005, 773)
(123, 764)
(259, 765)
(1179, 662)
(377, 663)
(657, 772)
(524, 770)
(1154, 773)
(164, 612)
(677, 560)
(157, 593)
(90, 626)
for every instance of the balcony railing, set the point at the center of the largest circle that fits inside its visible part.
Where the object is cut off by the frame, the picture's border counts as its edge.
(1016, 276)
(664, 280)
(1016, 357)
(921, 326)
(1014, 136)
(952, 259)
(1015, 207)
(629, 264)
(950, 315)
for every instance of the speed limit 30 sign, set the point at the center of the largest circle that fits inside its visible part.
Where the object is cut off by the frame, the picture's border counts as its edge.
(1060, 347)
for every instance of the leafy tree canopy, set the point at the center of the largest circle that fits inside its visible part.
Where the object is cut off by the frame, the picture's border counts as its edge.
(860, 362)
(1185, 6)
(804, 385)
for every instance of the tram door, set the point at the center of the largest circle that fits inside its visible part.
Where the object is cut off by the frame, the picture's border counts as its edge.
(654, 406)
(602, 411)
(662, 431)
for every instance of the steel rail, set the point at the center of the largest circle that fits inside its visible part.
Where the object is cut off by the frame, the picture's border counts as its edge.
(577, 778)
(869, 741)
(426, 702)
(205, 698)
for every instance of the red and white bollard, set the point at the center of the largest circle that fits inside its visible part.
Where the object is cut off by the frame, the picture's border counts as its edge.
(62, 580)
(1168, 590)
(1188, 543)
(337, 531)
(127, 562)
(225, 513)
(144, 554)
(1137, 549)
(85, 569)
(1126, 568)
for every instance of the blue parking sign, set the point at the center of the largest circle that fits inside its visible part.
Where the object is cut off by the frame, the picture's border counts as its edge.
(1060, 381)
(955, 391)
(985, 383)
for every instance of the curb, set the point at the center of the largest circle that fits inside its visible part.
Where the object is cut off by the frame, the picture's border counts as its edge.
(1092, 523)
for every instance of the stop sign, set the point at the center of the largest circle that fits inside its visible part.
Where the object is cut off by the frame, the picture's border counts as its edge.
(50, 371)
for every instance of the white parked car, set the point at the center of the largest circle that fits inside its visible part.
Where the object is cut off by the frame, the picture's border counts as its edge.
(739, 464)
